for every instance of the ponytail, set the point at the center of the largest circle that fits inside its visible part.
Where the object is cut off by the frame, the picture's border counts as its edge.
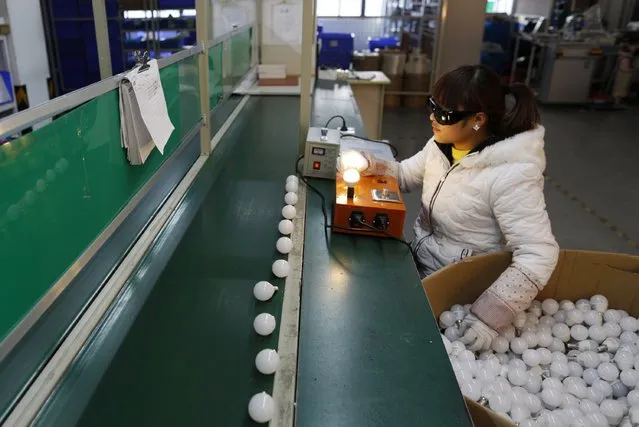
(524, 115)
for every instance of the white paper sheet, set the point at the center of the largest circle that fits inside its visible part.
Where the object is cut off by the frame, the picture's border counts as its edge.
(286, 23)
(150, 99)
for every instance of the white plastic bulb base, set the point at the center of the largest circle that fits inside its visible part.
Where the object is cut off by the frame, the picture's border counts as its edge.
(289, 212)
(285, 227)
(263, 291)
(261, 407)
(267, 361)
(264, 324)
(281, 268)
(284, 245)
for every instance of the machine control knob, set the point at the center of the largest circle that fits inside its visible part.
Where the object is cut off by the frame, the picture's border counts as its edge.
(385, 192)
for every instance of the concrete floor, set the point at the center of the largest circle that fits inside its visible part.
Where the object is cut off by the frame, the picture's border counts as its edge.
(592, 187)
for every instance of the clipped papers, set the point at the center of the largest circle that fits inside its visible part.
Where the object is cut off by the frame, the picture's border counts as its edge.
(144, 118)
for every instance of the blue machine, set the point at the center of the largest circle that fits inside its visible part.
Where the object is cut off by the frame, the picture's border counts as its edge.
(336, 50)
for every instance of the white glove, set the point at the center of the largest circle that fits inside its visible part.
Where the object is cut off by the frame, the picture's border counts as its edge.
(478, 336)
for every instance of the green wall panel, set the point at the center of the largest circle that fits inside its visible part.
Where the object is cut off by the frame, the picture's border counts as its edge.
(62, 184)
(240, 55)
(216, 84)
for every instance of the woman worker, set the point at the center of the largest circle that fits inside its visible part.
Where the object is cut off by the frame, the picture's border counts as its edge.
(482, 185)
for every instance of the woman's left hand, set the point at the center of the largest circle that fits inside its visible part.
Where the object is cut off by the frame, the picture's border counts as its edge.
(478, 336)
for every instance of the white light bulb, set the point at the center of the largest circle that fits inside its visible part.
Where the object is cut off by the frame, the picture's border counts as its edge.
(587, 406)
(292, 187)
(453, 333)
(520, 319)
(531, 357)
(589, 359)
(547, 320)
(579, 332)
(292, 178)
(597, 333)
(267, 361)
(612, 316)
(281, 268)
(575, 369)
(519, 413)
(623, 313)
(625, 422)
(263, 291)
(485, 375)
(593, 317)
(471, 389)
(545, 356)
(599, 303)
(634, 414)
(605, 387)
(566, 305)
(285, 227)
(531, 339)
(466, 355)
(597, 419)
(533, 382)
(291, 198)
(557, 345)
(284, 245)
(574, 317)
(500, 402)
(612, 410)
(627, 337)
(456, 347)
(559, 357)
(544, 338)
(612, 344)
(517, 364)
(553, 383)
(550, 306)
(560, 316)
(551, 397)
(619, 389)
(559, 370)
(590, 375)
(629, 324)
(289, 212)
(264, 324)
(508, 332)
(624, 359)
(612, 329)
(517, 376)
(633, 397)
(595, 395)
(447, 319)
(518, 345)
(583, 345)
(583, 305)
(608, 371)
(561, 331)
(535, 310)
(575, 386)
(500, 344)
(261, 407)
(533, 403)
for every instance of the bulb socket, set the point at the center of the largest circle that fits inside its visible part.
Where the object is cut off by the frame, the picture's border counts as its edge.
(350, 193)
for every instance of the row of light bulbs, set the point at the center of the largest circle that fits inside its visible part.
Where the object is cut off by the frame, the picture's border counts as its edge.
(261, 407)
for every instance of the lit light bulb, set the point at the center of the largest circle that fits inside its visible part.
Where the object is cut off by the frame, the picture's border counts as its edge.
(593, 317)
(284, 245)
(590, 375)
(285, 226)
(267, 361)
(261, 407)
(612, 410)
(264, 324)
(579, 332)
(351, 176)
(281, 268)
(289, 212)
(597, 333)
(292, 186)
(561, 331)
(263, 291)
(574, 317)
(549, 306)
(518, 345)
(290, 198)
(351, 159)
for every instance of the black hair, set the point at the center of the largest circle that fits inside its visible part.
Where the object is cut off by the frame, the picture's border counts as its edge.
(479, 89)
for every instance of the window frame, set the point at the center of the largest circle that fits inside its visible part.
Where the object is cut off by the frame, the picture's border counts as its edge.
(362, 13)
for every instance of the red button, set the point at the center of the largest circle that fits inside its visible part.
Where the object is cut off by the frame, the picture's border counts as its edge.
(317, 165)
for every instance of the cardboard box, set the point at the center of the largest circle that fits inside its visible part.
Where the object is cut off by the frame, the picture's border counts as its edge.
(579, 274)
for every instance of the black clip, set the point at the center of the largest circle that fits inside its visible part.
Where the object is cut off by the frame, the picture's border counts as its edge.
(142, 60)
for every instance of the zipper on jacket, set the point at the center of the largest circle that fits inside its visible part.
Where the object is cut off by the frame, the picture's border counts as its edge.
(431, 204)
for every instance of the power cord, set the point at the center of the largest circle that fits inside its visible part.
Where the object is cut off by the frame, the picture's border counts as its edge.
(328, 226)
(343, 128)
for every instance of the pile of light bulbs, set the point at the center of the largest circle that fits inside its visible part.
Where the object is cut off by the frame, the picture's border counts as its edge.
(261, 407)
(573, 364)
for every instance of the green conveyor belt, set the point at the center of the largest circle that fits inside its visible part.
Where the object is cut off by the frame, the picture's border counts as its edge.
(188, 359)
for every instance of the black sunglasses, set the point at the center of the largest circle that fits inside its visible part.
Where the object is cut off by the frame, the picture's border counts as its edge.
(444, 116)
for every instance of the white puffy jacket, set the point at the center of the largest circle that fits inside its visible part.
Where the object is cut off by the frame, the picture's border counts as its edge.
(490, 201)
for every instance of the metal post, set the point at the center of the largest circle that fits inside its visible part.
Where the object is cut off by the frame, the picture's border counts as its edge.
(202, 27)
(257, 27)
(308, 28)
(102, 38)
